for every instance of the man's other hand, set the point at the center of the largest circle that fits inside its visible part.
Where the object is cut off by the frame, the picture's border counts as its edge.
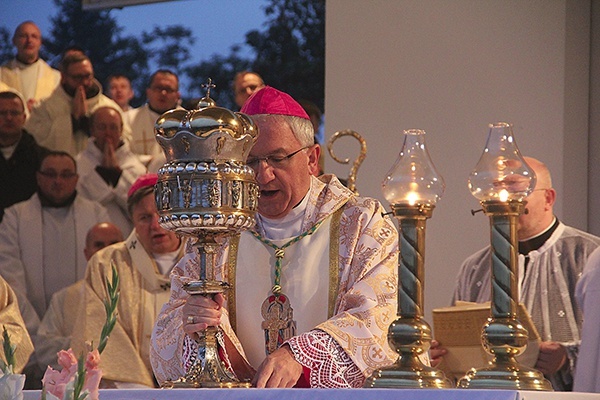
(436, 353)
(199, 312)
(278, 370)
(552, 357)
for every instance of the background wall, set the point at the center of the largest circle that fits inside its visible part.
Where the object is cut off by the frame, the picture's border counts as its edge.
(594, 142)
(451, 68)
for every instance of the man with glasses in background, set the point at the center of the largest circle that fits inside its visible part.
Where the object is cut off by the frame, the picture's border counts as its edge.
(315, 279)
(162, 94)
(62, 121)
(42, 239)
(21, 155)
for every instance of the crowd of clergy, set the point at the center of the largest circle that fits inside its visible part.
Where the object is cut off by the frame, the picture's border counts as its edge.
(77, 176)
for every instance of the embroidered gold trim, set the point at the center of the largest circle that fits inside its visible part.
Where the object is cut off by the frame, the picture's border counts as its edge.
(231, 268)
(334, 258)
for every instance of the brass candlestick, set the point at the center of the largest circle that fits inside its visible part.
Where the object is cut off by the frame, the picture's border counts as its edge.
(410, 335)
(206, 191)
(503, 336)
(501, 181)
(413, 186)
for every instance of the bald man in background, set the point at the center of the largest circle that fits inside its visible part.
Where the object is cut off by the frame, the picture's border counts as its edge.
(27, 72)
(100, 236)
(56, 328)
(551, 258)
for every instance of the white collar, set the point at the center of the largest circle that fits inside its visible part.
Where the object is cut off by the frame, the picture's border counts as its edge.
(288, 226)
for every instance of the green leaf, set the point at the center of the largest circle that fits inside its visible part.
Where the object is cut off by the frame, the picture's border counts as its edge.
(9, 351)
(110, 306)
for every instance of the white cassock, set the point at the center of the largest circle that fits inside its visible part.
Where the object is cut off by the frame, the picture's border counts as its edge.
(35, 81)
(144, 288)
(547, 289)
(51, 122)
(587, 369)
(143, 140)
(92, 186)
(26, 245)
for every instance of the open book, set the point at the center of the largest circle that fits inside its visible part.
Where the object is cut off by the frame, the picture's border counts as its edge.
(458, 329)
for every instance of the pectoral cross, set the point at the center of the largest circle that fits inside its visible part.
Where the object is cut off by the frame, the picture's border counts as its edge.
(278, 323)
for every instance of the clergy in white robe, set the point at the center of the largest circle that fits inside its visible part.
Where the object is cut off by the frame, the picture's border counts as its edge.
(162, 94)
(42, 239)
(552, 256)
(108, 168)
(27, 73)
(61, 121)
(338, 273)
(43, 77)
(587, 293)
(11, 320)
(56, 328)
(143, 264)
(143, 142)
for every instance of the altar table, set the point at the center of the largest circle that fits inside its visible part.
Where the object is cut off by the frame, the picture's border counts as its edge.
(329, 394)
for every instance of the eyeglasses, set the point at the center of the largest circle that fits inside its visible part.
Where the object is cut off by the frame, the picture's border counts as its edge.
(273, 161)
(63, 175)
(537, 190)
(12, 113)
(161, 89)
(81, 77)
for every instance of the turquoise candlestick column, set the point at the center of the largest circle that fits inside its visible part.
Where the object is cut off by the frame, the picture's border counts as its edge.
(501, 181)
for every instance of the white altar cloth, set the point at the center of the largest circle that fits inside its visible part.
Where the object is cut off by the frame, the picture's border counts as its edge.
(328, 394)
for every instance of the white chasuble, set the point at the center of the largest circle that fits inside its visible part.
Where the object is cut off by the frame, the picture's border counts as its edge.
(143, 290)
(365, 248)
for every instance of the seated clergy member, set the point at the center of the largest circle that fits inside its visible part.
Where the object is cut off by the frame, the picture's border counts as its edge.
(61, 121)
(336, 248)
(20, 154)
(42, 239)
(107, 166)
(11, 320)
(56, 328)
(143, 261)
(551, 258)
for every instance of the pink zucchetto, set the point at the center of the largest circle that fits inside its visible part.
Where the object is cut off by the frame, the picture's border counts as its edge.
(269, 100)
(142, 182)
